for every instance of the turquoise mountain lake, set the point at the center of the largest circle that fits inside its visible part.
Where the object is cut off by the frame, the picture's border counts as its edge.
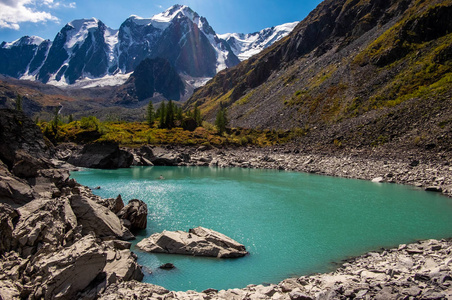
(292, 224)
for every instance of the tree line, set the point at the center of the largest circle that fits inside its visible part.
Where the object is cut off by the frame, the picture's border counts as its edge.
(167, 116)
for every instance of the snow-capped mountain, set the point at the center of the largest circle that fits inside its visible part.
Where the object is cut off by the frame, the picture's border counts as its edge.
(87, 51)
(23, 56)
(79, 50)
(246, 45)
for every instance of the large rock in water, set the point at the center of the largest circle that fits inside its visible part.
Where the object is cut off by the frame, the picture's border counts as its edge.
(199, 241)
(105, 155)
(134, 214)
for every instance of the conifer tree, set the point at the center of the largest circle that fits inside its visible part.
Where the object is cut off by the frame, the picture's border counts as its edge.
(170, 113)
(197, 115)
(180, 116)
(221, 121)
(162, 114)
(56, 120)
(150, 115)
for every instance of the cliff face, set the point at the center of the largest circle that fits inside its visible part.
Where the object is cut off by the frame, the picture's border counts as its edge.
(358, 73)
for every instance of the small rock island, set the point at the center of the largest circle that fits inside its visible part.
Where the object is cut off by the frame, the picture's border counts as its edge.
(198, 241)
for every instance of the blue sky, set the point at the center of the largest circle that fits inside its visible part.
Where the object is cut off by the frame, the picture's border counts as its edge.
(45, 18)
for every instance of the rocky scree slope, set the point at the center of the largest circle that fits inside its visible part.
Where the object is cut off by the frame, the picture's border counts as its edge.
(57, 240)
(351, 74)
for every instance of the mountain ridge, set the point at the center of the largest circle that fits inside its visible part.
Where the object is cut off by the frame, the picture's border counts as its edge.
(87, 49)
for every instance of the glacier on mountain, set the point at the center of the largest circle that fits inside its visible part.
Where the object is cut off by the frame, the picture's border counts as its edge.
(87, 53)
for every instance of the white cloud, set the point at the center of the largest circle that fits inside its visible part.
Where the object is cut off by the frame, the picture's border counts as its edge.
(14, 12)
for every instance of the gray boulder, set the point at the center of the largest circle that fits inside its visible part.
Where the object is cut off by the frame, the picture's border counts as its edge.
(104, 155)
(164, 157)
(199, 241)
(98, 219)
(134, 214)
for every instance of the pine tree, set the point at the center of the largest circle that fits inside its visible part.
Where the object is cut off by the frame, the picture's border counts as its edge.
(170, 113)
(180, 116)
(56, 120)
(70, 119)
(161, 112)
(150, 114)
(19, 102)
(197, 115)
(221, 121)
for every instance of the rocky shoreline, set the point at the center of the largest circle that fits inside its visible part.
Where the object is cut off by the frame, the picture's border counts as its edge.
(415, 271)
(54, 230)
(432, 175)
(428, 172)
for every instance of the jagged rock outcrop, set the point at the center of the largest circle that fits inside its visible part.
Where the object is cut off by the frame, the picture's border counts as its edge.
(113, 204)
(44, 222)
(103, 155)
(58, 241)
(197, 241)
(65, 273)
(134, 214)
(25, 160)
(18, 132)
(97, 218)
(8, 216)
(13, 190)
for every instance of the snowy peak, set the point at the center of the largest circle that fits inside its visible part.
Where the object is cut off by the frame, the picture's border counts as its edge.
(24, 41)
(174, 12)
(87, 50)
(247, 45)
(84, 24)
(78, 30)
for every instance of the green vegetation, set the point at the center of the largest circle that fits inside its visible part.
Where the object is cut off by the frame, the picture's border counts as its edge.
(135, 134)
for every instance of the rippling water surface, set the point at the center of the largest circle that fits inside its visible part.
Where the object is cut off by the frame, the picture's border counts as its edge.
(291, 223)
